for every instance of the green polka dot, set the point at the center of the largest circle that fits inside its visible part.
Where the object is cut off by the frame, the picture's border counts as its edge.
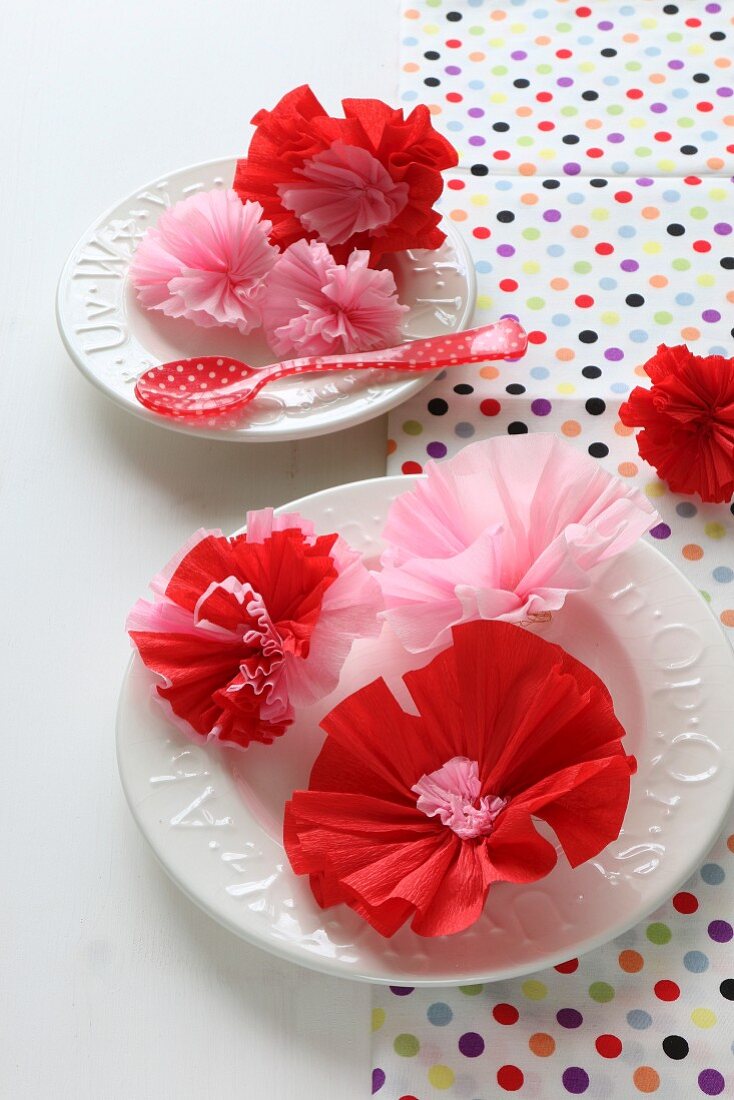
(715, 530)
(544, 69)
(706, 595)
(699, 213)
(582, 267)
(378, 1018)
(412, 427)
(614, 109)
(564, 28)
(633, 66)
(433, 3)
(535, 303)
(534, 990)
(476, 30)
(531, 234)
(659, 933)
(662, 317)
(525, 141)
(643, 151)
(484, 301)
(471, 990)
(601, 992)
(569, 112)
(685, 123)
(681, 265)
(407, 1046)
(499, 70)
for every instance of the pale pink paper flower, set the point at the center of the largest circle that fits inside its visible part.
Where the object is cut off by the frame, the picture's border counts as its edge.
(504, 530)
(315, 306)
(453, 794)
(345, 190)
(206, 259)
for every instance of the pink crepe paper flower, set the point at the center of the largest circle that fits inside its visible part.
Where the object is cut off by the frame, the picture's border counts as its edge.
(504, 530)
(315, 306)
(206, 259)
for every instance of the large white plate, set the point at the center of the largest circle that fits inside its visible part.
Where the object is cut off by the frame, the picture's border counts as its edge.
(112, 339)
(213, 817)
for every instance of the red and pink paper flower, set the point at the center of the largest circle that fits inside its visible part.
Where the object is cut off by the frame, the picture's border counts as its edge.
(687, 421)
(365, 181)
(241, 630)
(206, 259)
(504, 530)
(415, 816)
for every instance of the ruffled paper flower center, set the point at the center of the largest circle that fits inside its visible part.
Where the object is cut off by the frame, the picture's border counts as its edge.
(345, 190)
(452, 793)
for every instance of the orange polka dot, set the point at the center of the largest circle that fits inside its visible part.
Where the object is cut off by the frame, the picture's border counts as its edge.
(434, 109)
(458, 215)
(730, 296)
(529, 199)
(690, 333)
(477, 55)
(727, 618)
(641, 371)
(714, 163)
(627, 469)
(650, 212)
(722, 63)
(631, 961)
(542, 1044)
(692, 551)
(728, 120)
(410, 67)
(489, 372)
(559, 283)
(571, 428)
(497, 15)
(579, 231)
(391, 446)
(730, 842)
(524, 112)
(565, 355)
(646, 1079)
(658, 280)
(527, 169)
(630, 38)
(593, 124)
(622, 429)
(411, 13)
(657, 78)
(542, 40)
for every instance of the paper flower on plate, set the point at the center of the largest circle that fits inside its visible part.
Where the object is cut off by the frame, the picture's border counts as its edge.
(243, 629)
(503, 530)
(206, 259)
(368, 180)
(687, 421)
(315, 306)
(418, 815)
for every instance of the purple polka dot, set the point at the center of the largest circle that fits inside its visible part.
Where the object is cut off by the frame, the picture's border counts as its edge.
(436, 450)
(569, 1017)
(552, 216)
(614, 354)
(505, 250)
(629, 265)
(660, 531)
(722, 228)
(711, 315)
(564, 82)
(453, 70)
(721, 931)
(713, 8)
(572, 169)
(725, 92)
(575, 1080)
(401, 990)
(658, 108)
(471, 1044)
(378, 1080)
(475, 112)
(675, 64)
(476, 140)
(605, 25)
(616, 139)
(541, 407)
(711, 1082)
(644, 181)
(518, 55)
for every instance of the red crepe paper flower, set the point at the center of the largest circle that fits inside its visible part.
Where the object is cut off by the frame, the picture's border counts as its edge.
(687, 417)
(418, 815)
(368, 180)
(243, 629)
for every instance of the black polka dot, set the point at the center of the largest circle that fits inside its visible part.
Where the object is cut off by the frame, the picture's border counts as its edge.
(479, 170)
(670, 9)
(521, 83)
(551, 184)
(437, 406)
(731, 509)
(727, 262)
(463, 387)
(570, 139)
(591, 372)
(609, 52)
(598, 450)
(505, 216)
(675, 1046)
(726, 989)
(595, 406)
(515, 388)
(431, 55)
(635, 300)
(590, 95)
(517, 428)
(500, 127)
(701, 78)
(689, 150)
(717, 36)
(432, 81)
(598, 182)
(454, 16)
(588, 336)
(676, 229)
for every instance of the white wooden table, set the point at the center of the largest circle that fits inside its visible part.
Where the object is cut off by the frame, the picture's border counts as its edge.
(112, 984)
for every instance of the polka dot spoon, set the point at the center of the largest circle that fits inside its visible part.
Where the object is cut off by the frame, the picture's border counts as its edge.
(208, 386)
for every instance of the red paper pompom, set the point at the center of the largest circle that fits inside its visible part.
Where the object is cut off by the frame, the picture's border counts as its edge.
(416, 816)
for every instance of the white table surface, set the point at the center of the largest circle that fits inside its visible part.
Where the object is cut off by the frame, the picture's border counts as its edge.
(112, 984)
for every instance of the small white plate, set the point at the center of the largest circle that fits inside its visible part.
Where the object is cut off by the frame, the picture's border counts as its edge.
(214, 817)
(112, 339)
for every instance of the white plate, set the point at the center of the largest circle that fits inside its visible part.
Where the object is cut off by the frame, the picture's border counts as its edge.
(112, 339)
(213, 817)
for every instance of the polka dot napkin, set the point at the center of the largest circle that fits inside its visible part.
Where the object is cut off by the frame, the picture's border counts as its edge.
(596, 147)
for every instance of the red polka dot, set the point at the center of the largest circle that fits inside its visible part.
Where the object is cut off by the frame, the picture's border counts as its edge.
(489, 407)
(567, 967)
(481, 232)
(406, 1097)
(594, 153)
(544, 97)
(564, 54)
(701, 246)
(454, 97)
(583, 13)
(508, 285)
(510, 1078)
(685, 902)
(667, 991)
(634, 93)
(456, 185)
(453, 43)
(692, 181)
(584, 301)
(501, 154)
(704, 106)
(623, 196)
(693, 22)
(662, 135)
(604, 248)
(412, 468)
(609, 1046)
(546, 126)
(505, 1014)
(537, 337)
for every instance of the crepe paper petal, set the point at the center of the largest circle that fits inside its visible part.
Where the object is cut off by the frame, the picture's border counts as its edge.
(415, 816)
(242, 630)
(315, 306)
(687, 421)
(206, 259)
(503, 530)
(367, 181)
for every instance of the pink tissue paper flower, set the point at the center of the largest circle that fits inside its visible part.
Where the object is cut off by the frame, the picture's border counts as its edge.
(206, 259)
(315, 306)
(504, 530)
